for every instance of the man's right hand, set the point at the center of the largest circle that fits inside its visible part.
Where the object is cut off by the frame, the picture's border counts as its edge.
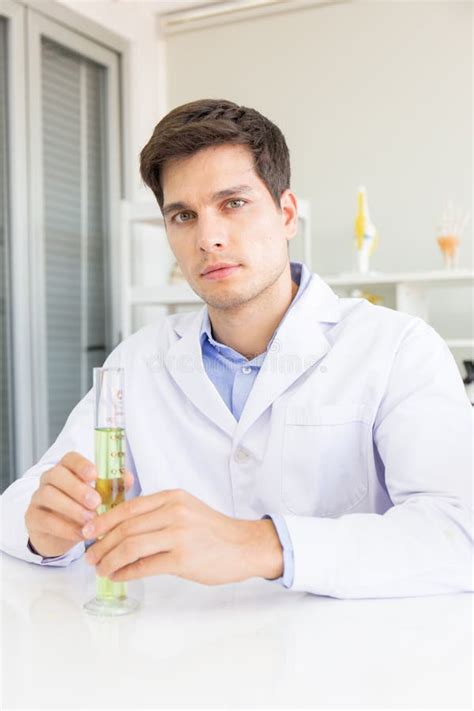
(64, 502)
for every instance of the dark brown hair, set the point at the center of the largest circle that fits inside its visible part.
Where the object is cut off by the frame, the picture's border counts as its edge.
(211, 122)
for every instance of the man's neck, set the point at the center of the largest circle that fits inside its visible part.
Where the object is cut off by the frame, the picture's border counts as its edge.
(249, 328)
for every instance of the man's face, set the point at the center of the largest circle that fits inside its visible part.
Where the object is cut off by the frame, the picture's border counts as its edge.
(210, 220)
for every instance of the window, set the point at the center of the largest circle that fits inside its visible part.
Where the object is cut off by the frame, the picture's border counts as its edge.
(59, 316)
(74, 226)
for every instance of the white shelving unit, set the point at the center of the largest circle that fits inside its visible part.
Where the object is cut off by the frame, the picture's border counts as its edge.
(410, 288)
(132, 214)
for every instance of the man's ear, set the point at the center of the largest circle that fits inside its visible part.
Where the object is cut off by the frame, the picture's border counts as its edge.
(289, 209)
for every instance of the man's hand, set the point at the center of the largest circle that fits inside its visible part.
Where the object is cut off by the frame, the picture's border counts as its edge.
(174, 533)
(64, 501)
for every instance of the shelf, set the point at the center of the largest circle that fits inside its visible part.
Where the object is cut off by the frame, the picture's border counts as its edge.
(442, 276)
(460, 342)
(170, 295)
(163, 295)
(179, 294)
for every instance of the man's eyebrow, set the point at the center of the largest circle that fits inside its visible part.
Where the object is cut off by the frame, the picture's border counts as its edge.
(227, 192)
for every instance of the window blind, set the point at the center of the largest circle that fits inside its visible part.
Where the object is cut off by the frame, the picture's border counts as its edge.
(74, 226)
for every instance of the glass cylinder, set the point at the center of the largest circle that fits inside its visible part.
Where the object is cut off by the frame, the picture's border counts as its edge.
(109, 431)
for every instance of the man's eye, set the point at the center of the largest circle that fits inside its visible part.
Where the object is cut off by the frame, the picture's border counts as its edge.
(179, 219)
(175, 218)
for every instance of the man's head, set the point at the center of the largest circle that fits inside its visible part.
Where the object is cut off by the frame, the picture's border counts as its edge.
(220, 173)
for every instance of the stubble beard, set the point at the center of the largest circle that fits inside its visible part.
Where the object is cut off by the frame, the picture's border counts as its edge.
(232, 301)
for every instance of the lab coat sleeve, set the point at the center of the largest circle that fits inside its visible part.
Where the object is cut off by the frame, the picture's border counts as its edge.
(283, 534)
(77, 435)
(423, 544)
(52, 560)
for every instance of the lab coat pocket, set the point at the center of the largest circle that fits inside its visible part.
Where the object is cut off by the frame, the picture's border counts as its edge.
(324, 458)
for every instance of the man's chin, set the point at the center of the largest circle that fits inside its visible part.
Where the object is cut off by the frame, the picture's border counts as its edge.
(224, 301)
(225, 298)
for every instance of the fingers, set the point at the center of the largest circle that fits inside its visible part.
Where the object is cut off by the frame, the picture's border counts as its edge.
(86, 470)
(80, 466)
(67, 490)
(115, 552)
(65, 500)
(41, 521)
(129, 479)
(52, 498)
(69, 483)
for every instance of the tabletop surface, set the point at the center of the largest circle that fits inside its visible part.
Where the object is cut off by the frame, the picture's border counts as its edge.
(246, 645)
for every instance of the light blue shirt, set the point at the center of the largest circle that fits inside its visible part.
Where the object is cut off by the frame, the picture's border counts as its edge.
(234, 375)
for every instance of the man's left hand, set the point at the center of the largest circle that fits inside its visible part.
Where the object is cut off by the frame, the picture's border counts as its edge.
(174, 533)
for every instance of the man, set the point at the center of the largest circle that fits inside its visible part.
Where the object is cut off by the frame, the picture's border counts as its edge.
(281, 432)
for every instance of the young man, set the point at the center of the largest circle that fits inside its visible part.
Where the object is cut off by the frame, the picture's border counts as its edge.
(280, 431)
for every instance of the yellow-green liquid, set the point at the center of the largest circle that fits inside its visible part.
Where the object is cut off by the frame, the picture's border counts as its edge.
(110, 484)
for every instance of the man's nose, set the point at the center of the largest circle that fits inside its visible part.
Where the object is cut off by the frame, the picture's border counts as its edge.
(211, 232)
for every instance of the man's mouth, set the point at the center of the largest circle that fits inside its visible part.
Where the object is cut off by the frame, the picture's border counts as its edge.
(219, 271)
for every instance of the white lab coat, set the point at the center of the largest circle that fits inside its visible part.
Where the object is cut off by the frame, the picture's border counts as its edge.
(357, 430)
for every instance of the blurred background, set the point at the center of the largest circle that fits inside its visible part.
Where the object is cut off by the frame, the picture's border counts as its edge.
(368, 94)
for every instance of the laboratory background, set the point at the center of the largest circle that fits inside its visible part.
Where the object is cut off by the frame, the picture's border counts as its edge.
(375, 102)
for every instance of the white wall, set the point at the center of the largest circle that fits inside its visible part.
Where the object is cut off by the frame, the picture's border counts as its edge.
(137, 23)
(366, 93)
(373, 93)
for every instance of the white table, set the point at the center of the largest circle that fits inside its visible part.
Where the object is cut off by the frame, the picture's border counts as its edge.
(246, 645)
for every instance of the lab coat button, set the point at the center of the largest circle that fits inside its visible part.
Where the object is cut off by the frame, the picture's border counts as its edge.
(241, 455)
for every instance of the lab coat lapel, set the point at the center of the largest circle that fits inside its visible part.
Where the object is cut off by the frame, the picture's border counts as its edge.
(184, 362)
(298, 345)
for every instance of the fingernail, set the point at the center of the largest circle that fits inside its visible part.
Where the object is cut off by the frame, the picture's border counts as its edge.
(88, 515)
(88, 530)
(91, 472)
(93, 499)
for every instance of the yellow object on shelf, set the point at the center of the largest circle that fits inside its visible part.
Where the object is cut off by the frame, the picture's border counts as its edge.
(366, 234)
(373, 298)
